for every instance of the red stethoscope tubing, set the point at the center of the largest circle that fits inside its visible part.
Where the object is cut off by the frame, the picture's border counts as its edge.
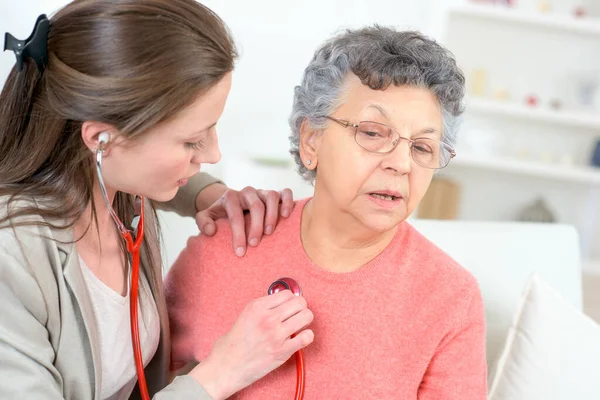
(299, 375)
(134, 249)
(294, 287)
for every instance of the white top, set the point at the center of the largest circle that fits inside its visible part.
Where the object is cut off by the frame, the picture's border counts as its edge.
(111, 313)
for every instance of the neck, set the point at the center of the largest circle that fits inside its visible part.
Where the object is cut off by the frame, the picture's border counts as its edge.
(90, 230)
(336, 241)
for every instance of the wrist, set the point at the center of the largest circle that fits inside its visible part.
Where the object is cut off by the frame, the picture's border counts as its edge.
(214, 381)
(207, 196)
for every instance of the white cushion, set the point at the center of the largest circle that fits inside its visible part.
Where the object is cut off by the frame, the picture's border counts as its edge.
(552, 350)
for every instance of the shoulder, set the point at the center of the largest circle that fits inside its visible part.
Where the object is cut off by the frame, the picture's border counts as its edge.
(29, 266)
(204, 255)
(444, 277)
(30, 244)
(220, 245)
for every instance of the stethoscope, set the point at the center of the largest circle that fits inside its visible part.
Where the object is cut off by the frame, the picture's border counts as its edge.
(294, 287)
(133, 237)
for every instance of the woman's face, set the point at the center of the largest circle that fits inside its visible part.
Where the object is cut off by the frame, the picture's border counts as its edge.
(355, 180)
(161, 161)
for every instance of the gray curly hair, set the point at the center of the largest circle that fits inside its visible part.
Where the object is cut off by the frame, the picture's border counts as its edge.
(379, 56)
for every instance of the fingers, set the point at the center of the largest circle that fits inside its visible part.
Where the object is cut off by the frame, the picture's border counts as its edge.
(257, 214)
(271, 200)
(233, 208)
(275, 300)
(291, 307)
(297, 322)
(206, 224)
(298, 342)
(287, 202)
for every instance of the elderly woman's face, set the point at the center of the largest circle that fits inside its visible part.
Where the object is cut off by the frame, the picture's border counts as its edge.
(360, 182)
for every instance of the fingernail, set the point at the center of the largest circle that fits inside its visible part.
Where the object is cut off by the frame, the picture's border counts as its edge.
(285, 212)
(269, 229)
(239, 251)
(253, 242)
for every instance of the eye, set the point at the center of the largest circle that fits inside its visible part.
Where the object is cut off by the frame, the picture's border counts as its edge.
(195, 145)
(371, 134)
(422, 147)
(372, 130)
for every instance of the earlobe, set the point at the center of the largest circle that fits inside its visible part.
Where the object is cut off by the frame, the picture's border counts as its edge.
(309, 145)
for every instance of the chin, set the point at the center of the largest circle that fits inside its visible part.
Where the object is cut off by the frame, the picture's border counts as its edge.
(163, 197)
(383, 223)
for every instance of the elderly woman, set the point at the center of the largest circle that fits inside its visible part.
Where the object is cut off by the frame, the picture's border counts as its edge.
(395, 317)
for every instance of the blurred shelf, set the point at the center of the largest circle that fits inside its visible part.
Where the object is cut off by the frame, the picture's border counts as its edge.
(585, 25)
(580, 119)
(579, 174)
(591, 267)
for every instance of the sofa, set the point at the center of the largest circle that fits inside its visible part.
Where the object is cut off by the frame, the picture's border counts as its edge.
(503, 256)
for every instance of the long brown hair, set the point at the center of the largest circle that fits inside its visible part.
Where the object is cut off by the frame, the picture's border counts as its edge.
(128, 63)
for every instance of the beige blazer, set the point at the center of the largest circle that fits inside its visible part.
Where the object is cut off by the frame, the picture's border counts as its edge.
(49, 346)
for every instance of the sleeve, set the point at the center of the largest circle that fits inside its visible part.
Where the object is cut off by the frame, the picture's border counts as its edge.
(26, 370)
(458, 369)
(184, 202)
(180, 288)
(183, 387)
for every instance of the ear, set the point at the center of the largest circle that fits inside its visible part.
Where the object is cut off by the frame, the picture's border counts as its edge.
(90, 133)
(310, 140)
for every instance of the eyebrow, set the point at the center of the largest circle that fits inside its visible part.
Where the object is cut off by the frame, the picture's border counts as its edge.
(203, 130)
(427, 131)
(380, 109)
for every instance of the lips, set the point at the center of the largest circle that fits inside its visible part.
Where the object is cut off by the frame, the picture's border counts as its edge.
(390, 195)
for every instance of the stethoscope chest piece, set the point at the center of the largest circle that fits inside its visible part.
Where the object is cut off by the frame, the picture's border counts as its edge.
(285, 284)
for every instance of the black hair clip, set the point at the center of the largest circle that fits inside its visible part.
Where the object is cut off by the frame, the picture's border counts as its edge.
(35, 46)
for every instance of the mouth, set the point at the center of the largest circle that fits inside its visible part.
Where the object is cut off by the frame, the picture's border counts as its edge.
(386, 196)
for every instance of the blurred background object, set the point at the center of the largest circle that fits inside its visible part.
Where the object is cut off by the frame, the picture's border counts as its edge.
(440, 201)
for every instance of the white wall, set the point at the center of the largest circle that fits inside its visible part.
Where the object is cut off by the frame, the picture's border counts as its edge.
(276, 40)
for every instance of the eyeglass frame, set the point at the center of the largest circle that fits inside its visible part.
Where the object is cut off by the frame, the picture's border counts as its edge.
(347, 124)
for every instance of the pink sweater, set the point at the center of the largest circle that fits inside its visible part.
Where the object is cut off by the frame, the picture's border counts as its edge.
(407, 325)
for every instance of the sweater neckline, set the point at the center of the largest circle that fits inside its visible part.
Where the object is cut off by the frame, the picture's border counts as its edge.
(345, 277)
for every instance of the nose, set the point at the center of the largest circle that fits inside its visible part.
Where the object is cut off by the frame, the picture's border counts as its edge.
(211, 154)
(399, 160)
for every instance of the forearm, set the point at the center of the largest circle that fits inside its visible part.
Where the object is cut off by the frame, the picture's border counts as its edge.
(185, 203)
(183, 388)
(207, 196)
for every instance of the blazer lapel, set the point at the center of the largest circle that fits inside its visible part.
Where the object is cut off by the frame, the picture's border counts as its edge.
(76, 283)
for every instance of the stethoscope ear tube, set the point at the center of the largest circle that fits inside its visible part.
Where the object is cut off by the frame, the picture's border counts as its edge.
(133, 247)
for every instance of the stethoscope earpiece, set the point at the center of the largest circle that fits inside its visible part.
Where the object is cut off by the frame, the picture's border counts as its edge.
(103, 138)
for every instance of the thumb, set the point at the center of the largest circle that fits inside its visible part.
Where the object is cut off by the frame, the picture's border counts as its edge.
(206, 223)
(209, 228)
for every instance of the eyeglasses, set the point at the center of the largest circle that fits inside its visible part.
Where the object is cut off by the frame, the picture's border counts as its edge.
(380, 138)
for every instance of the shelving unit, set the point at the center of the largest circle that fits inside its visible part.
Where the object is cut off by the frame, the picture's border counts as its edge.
(584, 175)
(565, 23)
(524, 53)
(567, 118)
